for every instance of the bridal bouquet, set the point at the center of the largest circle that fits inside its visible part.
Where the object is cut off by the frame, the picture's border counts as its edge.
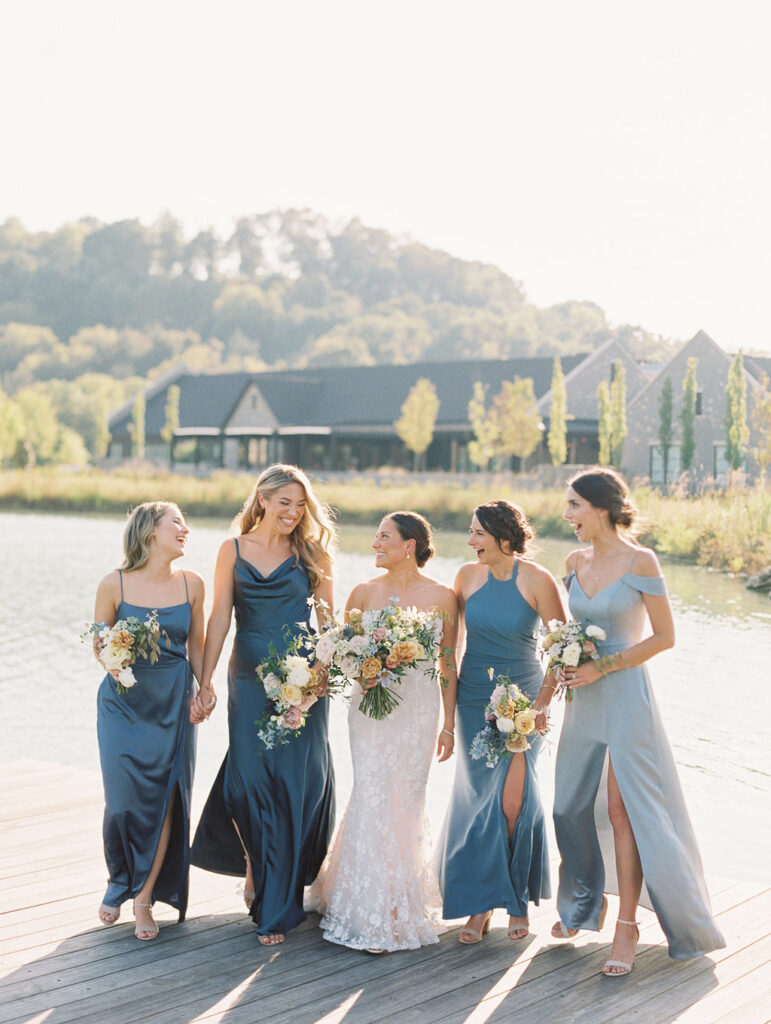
(290, 684)
(377, 647)
(509, 720)
(118, 647)
(569, 644)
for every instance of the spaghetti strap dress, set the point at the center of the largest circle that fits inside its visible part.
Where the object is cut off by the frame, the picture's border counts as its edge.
(479, 868)
(280, 801)
(147, 753)
(617, 717)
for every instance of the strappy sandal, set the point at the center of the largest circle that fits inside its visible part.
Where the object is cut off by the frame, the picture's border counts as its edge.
(477, 935)
(111, 914)
(627, 967)
(145, 932)
(560, 930)
(518, 932)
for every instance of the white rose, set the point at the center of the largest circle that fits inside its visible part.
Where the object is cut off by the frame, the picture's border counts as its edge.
(359, 644)
(554, 625)
(524, 722)
(504, 725)
(596, 632)
(298, 670)
(126, 678)
(291, 694)
(349, 667)
(325, 649)
(571, 655)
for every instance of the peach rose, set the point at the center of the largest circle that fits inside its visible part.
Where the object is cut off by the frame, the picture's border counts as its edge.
(370, 667)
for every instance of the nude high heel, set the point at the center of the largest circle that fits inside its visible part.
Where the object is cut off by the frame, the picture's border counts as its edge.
(627, 967)
(143, 931)
(560, 930)
(477, 935)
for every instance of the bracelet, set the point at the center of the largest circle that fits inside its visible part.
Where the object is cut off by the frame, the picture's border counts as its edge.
(449, 733)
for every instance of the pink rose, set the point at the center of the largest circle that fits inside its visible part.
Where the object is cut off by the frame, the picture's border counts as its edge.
(588, 647)
(379, 634)
(292, 719)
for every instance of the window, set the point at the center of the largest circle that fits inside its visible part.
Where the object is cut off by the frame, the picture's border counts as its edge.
(697, 410)
(656, 464)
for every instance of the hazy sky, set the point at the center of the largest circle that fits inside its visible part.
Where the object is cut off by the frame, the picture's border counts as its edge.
(594, 149)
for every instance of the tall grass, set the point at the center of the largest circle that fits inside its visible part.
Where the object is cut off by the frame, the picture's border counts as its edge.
(726, 530)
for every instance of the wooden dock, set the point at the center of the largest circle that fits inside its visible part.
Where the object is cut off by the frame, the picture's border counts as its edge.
(59, 965)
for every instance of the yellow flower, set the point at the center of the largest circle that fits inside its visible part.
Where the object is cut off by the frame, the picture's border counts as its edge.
(370, 667)
(290, 694)
(407, 650)
(506, 707)
(120, 639)
(524, 722)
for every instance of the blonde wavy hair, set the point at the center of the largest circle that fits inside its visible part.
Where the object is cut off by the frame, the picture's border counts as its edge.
(138, 532)
(313, 539)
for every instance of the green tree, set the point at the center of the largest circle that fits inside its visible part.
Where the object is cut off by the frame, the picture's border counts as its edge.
(688, 416)
(517, 425)
(604, 423)
(737, 433)
(666, 433)
(11, 428)
(415, 426)
(172, 414)
(40, 430)
(558, 416)
(761, 422)
(138, 426)
(617, 414)
(482, 447)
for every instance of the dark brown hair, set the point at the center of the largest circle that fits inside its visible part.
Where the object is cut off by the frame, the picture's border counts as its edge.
(506, 522)
(414, 526)
(606, 489)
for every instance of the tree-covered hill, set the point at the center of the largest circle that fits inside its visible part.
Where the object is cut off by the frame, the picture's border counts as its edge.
(285, 288)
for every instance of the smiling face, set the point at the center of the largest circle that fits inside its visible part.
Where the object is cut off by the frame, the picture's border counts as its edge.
(485, 545)
(389, 546)
(283, 510)
(171, 532)
(586, 520)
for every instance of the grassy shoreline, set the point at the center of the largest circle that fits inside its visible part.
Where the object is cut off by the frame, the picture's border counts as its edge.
(730, 531)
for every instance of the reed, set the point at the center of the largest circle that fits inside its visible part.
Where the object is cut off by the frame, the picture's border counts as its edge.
(728, 530)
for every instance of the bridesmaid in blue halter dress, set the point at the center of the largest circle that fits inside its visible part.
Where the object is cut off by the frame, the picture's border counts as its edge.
(493, 847)
(613, 729)
(270, 813)
(146, 738)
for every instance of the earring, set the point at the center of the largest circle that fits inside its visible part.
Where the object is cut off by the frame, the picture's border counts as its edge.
(408, 554)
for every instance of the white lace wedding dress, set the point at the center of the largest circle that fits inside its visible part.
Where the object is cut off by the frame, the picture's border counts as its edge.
(378, 887)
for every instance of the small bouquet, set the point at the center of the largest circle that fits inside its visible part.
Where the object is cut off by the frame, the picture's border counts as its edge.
(290, 683)
(569, 644)
(378, 646)
(118, 647)
(509, 720)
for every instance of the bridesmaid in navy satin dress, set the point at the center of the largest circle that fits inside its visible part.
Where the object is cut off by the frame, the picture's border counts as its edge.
(146, 737)
(493, 848)
(270, 813)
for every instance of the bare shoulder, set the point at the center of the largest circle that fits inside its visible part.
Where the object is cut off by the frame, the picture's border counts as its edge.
(468, 575)
(195, 582)
(228, 549)
(441, 596)
(646, 563)
(110, 583)
(358, 596)
(572, 561)
(537, 572)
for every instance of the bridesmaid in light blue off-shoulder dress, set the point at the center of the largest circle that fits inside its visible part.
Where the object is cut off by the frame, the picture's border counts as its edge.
(642, 844)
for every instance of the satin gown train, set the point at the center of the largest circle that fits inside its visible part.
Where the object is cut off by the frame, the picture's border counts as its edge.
(147, 753)
(618, 717)
(281, 801)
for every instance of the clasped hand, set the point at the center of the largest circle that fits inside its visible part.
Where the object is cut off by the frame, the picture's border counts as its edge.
(202, 705)
(581, 676)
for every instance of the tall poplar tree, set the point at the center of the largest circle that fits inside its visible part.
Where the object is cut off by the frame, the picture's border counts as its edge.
(172, 414)
(416, 424)
(737, 433)
(761, 421)
(666, 433)
(688, 416)
(481, 448)
(603, 422)
(617, 414)
(517, 429)
(558, 416)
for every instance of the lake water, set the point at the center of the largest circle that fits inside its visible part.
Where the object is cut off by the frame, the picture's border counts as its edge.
(713, 687)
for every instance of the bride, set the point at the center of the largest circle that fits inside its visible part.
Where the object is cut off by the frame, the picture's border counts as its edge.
(378, 889)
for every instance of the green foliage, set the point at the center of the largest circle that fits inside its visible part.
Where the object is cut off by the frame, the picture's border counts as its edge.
(558, 416)
(665, 424)
(137, 426)
(482, 447)
(688, 415)
(761, 422)
(516, 421)
(737, 433)
(605, 426)
(617, 414)
(11, 428)
(172, 414)
(415, 426)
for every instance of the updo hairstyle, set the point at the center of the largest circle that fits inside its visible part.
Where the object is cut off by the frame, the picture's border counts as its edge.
(414, 526)
(505, 522)
(138, 532)
(606, 489)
